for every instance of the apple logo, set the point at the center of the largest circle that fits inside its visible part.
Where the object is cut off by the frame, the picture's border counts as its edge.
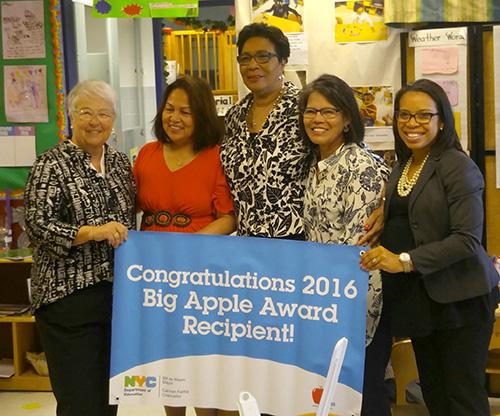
(316, 395)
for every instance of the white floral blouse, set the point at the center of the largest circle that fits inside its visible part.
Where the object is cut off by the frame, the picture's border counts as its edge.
(340, 195)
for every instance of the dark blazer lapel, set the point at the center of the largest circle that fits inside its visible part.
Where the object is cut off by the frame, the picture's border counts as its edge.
(425, 175)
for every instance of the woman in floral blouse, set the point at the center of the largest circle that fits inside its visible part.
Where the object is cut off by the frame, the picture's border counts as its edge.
(263, 156)
(344, 186)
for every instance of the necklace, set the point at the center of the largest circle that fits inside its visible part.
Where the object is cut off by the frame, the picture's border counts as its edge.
(406, 185)
(275, 103)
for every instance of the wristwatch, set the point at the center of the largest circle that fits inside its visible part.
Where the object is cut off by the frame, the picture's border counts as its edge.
(405, 259)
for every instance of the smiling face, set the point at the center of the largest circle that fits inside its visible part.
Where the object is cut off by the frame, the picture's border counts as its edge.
(91, 135)
(419, 137)
(261, 79)
(177, 118)
(326, 133)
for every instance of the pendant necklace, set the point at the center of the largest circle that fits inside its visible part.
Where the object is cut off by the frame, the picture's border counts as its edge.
(275, 103)
(406, 185)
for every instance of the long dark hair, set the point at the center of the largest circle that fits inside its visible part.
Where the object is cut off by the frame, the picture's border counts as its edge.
(340, 95)
(447, 137)
(208, 128)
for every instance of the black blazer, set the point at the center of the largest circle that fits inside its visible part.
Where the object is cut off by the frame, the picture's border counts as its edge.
(446, 218)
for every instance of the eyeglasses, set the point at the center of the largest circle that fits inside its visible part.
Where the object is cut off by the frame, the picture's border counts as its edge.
(260, 58)
(420, 118)
(87, 115)
(327, 113)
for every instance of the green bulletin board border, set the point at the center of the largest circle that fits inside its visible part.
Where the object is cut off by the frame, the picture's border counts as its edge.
(47, 134)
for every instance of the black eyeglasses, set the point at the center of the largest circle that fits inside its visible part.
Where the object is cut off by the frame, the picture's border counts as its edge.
(420, 118)
(260, 58)
(327, 113)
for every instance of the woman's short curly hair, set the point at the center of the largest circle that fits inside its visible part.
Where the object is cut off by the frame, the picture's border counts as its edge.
(92, 89)
(271, 33)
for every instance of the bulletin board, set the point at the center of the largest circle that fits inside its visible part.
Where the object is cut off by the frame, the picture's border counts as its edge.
(50, 132)
(441, 56)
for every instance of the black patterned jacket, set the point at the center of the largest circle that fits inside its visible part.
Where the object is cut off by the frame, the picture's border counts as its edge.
(63, 193)
(266, 173)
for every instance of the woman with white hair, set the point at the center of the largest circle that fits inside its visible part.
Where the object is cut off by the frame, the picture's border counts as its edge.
(80, 202)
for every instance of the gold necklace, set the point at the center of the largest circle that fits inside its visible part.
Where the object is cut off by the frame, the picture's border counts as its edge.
(406, 185)
(275, 103)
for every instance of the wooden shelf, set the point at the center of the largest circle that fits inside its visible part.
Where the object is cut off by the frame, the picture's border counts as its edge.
(23, 318)
(18, 333)
(28, 380)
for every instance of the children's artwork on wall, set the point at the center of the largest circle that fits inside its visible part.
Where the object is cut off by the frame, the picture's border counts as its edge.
(23, 29)
(285, 14)
(359, 21)
(26, 94)
(375, 104)
(145, 8)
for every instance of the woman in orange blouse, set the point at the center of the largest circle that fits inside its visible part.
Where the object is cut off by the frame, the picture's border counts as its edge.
(180, 183)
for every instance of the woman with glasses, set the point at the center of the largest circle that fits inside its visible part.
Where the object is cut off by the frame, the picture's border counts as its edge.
(263, 156)
(79, 200)
(180, 183)
(344, 187)
(440, 286)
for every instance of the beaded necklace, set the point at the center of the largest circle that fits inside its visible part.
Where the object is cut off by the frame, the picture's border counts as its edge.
(406, 185)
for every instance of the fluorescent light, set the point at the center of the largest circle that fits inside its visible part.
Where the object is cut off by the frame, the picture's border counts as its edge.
(85, 2)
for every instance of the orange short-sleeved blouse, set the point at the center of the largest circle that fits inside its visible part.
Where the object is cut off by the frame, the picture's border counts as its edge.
(183, 201)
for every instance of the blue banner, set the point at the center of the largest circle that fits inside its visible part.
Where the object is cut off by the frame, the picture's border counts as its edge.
(197, 319)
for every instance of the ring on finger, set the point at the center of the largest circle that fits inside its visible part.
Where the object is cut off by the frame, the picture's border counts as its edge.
(117, 235)
(374, 261)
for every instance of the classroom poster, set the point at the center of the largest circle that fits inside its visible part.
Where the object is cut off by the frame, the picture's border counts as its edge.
(359, 22)
(197, 319)
(23, 29)
(285, 14)
(17, 146)
(441, 56)
(26, 94)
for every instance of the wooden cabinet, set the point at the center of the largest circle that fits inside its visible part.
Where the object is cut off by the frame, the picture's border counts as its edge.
(18, 333)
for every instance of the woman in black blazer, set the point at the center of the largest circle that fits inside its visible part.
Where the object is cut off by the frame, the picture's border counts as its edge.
(440, 287)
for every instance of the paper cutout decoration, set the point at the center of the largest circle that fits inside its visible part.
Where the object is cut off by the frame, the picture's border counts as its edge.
(439, 60)
(145, 8)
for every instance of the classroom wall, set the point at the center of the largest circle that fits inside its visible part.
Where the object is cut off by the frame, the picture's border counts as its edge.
(14, 178)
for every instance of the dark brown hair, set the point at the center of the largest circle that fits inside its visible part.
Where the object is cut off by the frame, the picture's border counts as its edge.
(208, 128)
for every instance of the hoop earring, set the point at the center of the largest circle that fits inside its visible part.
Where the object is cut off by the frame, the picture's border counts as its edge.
(346, 128)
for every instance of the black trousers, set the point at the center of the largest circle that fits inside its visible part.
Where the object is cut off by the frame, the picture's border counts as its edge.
(375, 394)
(451, 365)
(76, 336)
